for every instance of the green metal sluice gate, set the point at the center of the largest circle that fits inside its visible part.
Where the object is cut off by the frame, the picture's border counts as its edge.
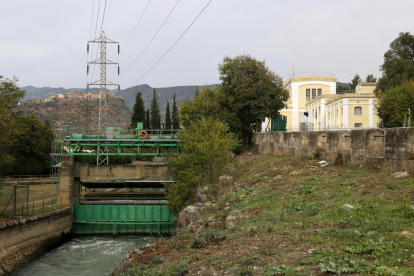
(121, 219)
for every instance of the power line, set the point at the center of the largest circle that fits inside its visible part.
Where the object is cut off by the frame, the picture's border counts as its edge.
(107, 17)
(137, 24)
(152, 37)
(103, 18)
(93, 46)
(90, 31)
(175, 42)
(142, 15)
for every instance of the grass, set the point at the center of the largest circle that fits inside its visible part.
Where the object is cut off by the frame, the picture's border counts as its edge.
(37, 194)
(293, 224)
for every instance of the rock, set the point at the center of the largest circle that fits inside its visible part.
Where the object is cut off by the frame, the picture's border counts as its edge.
(227, 208)
(399, 175)
(201, 195)
(347, 207)
(189, 214)
(235, 213)
(227, 204)
(233, 218)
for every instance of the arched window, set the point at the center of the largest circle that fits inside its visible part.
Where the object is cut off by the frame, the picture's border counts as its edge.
(358, 110)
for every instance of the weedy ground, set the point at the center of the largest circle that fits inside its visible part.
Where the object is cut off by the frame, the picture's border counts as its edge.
(294, 224)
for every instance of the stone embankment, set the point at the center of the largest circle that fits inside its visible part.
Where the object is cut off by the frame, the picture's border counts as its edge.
(385, 149)
(24, 239)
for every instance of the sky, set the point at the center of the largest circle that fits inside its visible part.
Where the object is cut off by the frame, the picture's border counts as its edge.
(43, 42)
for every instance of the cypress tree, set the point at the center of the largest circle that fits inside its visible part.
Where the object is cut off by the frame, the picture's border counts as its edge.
(155, 120)
(147, 119)
(167, 117)
(138, 112)
(174, 115)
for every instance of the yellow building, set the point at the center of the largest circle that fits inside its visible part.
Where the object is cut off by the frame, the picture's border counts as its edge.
(304, 88)
(350, 109)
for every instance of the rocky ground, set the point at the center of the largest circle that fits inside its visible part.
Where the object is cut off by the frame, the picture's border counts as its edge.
(291, 216)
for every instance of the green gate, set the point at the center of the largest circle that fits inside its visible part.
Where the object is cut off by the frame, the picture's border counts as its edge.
(121, 219)
(279, 124)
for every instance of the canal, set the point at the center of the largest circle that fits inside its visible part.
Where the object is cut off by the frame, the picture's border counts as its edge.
(84, 255)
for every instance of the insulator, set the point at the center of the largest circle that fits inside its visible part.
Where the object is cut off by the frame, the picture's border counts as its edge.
(87, 48)
(87, 69)
(119, 49)
(118, 70)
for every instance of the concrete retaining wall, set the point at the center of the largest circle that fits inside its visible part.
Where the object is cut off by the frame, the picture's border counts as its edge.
(113, 171)
(24, 239)
(391, 148)
(70, 170)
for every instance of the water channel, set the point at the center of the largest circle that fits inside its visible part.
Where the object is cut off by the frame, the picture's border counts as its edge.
(84, 255)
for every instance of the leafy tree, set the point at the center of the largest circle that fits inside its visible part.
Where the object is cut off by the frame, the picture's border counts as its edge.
(252, 93)
(138, 112)
(155, 119)
(371, 78)
(354, 82)
(208, 103)
(30, 145)
(174, 116)
(168, 117)
(205, 145)
(398, 63)
(341, 88)
(396, 103)
(10, 95)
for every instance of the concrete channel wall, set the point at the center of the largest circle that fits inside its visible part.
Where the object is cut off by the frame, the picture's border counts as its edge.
(70, 170)
(391, 148)
(25, 239)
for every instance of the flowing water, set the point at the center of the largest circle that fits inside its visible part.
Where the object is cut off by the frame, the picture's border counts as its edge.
(84, 256)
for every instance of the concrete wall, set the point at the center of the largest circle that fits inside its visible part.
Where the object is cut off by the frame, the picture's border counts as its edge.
(391, 148)
(113, 171)
(70, 170)
(24, 239)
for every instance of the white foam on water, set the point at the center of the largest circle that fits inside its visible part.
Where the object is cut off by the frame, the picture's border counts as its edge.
(84, 256)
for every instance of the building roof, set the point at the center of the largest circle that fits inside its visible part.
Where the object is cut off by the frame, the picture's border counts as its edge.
(310, 78)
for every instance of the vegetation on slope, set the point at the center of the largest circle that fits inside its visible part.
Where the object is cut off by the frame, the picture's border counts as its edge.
(292, 224)
(72, 112)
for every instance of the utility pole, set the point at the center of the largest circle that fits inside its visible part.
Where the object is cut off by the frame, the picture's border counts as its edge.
(102, 120)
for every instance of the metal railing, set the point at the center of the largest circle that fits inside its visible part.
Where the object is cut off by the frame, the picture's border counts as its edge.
(33, 208)
(121, 134)
(33, 179)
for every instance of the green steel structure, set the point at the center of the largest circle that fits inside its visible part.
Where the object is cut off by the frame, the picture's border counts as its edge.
(153, 142)
(121, 219)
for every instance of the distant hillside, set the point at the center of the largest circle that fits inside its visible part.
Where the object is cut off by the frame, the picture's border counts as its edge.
(164, 94)
(44, 92)
(72, 112)
(343, 84)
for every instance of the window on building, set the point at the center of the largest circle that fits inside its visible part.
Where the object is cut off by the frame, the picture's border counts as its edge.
(316, 113)
(358, 125)
(319, 92)
(313, 93)
(307, 94)
(358, 110)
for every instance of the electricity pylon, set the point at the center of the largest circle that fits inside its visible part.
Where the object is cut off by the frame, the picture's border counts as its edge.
(103, 82)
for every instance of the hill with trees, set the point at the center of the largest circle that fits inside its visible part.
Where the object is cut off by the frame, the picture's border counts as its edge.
(72, 112)
(164, 94)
